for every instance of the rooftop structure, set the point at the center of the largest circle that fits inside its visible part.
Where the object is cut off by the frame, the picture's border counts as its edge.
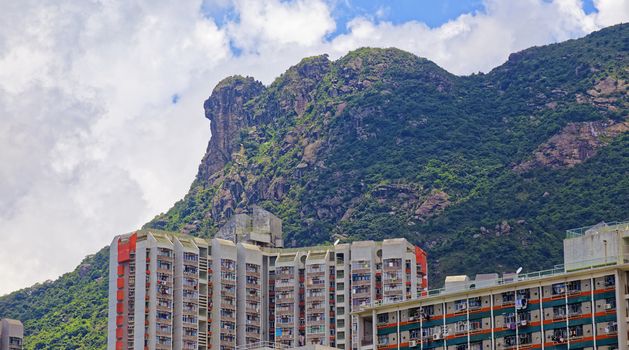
(11, 334)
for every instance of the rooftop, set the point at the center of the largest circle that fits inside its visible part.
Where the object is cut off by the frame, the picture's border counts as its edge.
(510, 278)
(598, 228)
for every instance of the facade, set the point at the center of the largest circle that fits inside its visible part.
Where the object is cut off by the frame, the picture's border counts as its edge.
(11, 334)
(582, 304)
(172, 291)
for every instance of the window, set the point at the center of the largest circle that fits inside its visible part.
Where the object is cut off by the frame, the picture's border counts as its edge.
(525, 339)
(574, 286)
(510, 340)
(383, 318)
(559, 335)
(509, 320)
(460, 305)
(524, 294)
(461, 326)
(475, 303)
(574, 309)
(428, 310)
(340, 311)
(576, 331)
(610, 281)
(559, 312)
(558, 288)
(508, 297)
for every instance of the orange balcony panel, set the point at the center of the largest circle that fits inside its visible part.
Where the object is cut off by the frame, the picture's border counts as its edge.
(121, 270)
(119, 333)
(120, 282)
(120, 295)
(119, 320)
(119, 345)
(120, 308)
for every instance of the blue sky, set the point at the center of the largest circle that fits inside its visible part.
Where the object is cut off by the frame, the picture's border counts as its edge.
(431, 12)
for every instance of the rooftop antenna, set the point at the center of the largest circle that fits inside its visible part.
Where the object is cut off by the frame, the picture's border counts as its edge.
(336, 242)
(518, 270)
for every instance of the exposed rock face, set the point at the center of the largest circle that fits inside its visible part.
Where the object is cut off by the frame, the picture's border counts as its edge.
(434, 204)
(574, 144)
(227, 115)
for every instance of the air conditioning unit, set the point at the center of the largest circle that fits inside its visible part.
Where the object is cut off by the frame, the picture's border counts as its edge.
(523, 322)
(412, 318)
(608, 306)
(412, 343)
(436, 336)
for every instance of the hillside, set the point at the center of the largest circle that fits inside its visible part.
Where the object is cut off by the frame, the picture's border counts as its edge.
(487, 168)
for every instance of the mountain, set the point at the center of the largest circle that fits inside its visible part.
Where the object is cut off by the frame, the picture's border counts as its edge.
(485, 171)
(382, 143)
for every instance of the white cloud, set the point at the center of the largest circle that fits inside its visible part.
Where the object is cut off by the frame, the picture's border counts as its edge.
(92, 145)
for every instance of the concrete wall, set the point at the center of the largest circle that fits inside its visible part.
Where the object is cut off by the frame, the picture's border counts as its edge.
(113, 276)
(595, 247)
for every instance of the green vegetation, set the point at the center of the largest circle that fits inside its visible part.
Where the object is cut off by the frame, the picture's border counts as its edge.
(69, 313)
(381, 143)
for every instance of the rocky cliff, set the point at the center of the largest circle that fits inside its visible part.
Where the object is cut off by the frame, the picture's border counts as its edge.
(382, 143)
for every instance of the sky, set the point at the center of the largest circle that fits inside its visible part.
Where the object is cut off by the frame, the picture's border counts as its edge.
(101, 102)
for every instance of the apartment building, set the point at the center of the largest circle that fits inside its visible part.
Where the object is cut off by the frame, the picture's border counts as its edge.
(172, 291)
(582, 304)
(11, 334)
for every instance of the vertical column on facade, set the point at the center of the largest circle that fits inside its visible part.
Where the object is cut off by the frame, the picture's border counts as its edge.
(186, 296)
(565, 290)
(121, 292)
(202, 325)
(224, 255)
(393, 270)
(343, 296)
(363, 279)
(249, 294)
(542, 316)
(397, 319)
(374, 330)
(331, 299)
(492, 322)
(516, 319)
(621, 294)
(444, 329)
(316, 298)
(160, 261)
(593, 310)
(467, 321)
(421, 328)
(286, 299)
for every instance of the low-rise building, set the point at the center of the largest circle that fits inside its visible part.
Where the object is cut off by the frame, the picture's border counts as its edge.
(582, 304)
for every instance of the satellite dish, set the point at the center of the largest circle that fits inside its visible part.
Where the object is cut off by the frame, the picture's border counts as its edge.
(518, 270)
(337, 241)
